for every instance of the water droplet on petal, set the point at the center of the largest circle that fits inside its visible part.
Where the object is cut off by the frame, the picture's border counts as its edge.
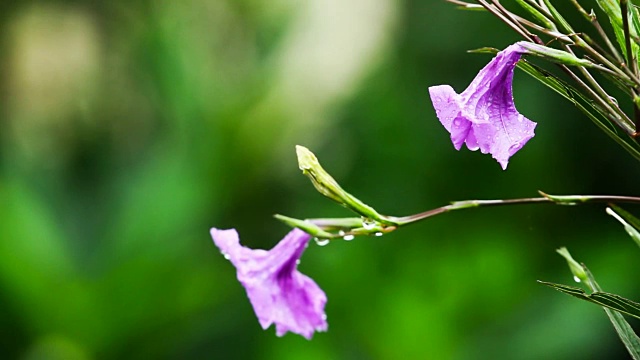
(298, 262)
(341, 233)
(226, 256)
(321, 242)
(324, 316)
(576, 279)
(349, 237)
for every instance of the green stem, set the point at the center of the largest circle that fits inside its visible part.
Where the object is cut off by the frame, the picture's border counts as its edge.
(552, 199)
(492, 8)
(599, 95)
(328, 228)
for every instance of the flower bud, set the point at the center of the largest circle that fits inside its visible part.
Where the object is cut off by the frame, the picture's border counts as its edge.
(327, 186)
(555, 55)
(579, 274)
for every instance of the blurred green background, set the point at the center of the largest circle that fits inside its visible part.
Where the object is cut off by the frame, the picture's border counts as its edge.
(131, 128)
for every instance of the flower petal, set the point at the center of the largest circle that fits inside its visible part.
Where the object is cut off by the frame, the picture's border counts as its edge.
(448, 109)
(484, 116)
(278, 292)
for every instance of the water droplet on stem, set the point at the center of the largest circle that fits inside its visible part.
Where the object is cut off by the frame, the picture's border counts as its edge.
(368, 224)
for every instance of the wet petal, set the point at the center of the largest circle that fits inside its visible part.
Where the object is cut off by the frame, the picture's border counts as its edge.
(278, 292)
(484, 116)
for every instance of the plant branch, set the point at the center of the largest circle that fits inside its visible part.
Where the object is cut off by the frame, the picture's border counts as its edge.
(550, 199)
(338, 228)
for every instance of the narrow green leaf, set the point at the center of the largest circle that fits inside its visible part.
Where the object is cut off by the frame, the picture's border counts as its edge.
(617, 302)
(569, 290)
(627, 216)
(591, 110)
(564, 25)
(614, 305)
(306, 226)
(624, 330)
(536, 14)
(611, 301)
(612, 9)
(635, 21)
(631, 223)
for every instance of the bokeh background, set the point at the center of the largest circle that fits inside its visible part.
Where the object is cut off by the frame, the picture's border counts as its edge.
(131, 128)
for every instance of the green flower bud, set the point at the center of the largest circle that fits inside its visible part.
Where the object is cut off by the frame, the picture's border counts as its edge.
(557, 56)
(579, 275)
(327, 186)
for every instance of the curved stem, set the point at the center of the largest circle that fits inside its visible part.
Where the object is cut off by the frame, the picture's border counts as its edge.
(339, 228)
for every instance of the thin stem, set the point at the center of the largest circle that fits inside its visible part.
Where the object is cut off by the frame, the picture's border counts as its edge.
(629, 76)
(591, 17)
(566, 27)
(343, 228)
(510, 22)
(464, 4)
(621, 69)
(599, 96)
(337, 224)
(549, 199)
(605, 104)
(541, 9)
(510, 16)
(581, 10)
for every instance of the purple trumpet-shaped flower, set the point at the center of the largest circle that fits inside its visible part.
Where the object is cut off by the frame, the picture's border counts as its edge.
(484, 116)
(279, 293)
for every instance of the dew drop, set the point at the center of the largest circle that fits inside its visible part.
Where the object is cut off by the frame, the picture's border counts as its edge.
(226, 256)
(321, 242)
(378, 233)
(324, 316)
(348, 237)
(576, 279)
(368, 223)
(341, 233)
(298, 262)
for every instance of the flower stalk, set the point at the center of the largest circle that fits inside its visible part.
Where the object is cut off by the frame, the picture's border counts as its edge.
(338, 228)
(371, 222)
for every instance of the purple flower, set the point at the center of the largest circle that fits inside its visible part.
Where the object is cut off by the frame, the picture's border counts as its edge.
(484, 115)
(279, 293)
